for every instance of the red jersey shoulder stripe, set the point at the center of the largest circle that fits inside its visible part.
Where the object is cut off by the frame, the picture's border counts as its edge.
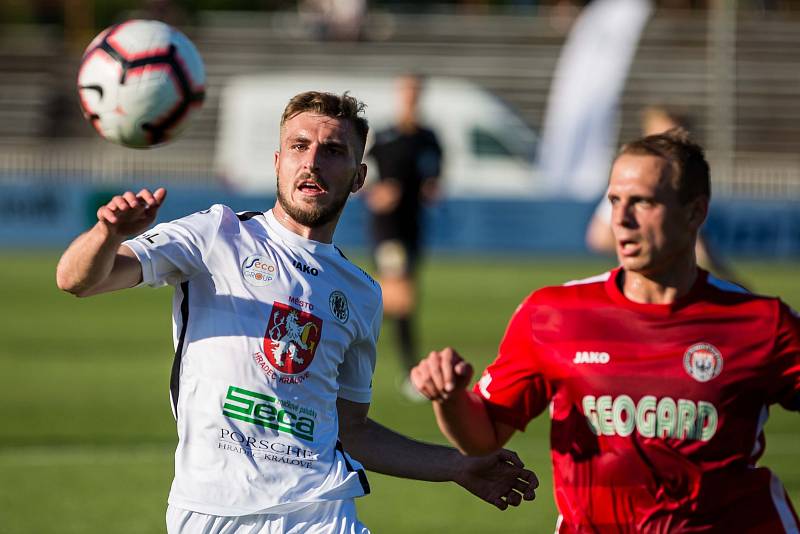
(591, 280)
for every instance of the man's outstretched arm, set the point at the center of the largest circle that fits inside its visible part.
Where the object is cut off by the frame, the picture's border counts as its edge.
(443, 377)
(96, 262)
(498, 478)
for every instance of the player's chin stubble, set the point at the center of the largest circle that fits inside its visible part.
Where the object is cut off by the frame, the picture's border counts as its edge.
(314, 216)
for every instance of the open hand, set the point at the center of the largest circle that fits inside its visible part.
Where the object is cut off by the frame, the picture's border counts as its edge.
(498, 478)
(128, 214)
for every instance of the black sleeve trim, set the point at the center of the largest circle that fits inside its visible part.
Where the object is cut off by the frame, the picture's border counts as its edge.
(247, 215)
(362, 475)
(175, 375)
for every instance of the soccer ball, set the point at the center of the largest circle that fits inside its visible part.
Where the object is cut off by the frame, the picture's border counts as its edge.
(139, 81)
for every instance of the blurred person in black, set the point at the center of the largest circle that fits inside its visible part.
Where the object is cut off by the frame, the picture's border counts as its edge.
(408, 158)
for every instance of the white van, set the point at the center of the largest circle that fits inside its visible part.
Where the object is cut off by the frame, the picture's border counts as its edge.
(488, 150)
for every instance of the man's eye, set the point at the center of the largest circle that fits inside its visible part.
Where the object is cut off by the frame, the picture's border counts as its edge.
(298, 146)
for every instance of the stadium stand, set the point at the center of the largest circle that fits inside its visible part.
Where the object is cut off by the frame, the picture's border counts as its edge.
(512, 54)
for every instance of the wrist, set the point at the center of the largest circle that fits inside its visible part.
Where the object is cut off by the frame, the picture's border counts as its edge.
(108, 234)
(452, 400)
(455, 466)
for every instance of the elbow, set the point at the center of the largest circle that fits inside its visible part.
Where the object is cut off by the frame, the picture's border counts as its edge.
(68, 285)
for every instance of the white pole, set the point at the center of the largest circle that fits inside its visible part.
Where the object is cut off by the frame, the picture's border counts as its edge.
(721, 93)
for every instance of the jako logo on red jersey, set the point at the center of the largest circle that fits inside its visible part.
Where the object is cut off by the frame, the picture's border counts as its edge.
(585, 356)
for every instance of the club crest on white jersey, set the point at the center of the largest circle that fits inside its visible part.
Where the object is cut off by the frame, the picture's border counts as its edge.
(703, 361)
(339, 306)
(292, 338)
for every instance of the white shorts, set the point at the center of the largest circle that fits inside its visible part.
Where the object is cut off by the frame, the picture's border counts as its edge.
(329, 517)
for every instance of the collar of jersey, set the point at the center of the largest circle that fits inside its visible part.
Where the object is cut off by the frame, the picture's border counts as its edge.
(616, 294)
(314, 247)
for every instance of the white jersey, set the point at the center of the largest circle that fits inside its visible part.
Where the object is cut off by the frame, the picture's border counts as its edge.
(270, 329)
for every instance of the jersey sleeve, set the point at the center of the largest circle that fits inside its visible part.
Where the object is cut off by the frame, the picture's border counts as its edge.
(358, 366)
(175, 251)
(513, 387)
(786, 362)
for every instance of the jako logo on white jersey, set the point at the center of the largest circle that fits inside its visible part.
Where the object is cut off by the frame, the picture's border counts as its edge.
(663, 418)
(585, 356)
(303, 268)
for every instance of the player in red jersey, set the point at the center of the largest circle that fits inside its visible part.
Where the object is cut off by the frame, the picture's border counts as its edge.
(658, 376)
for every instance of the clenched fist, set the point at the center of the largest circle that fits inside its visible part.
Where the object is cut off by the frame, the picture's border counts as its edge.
(441, 373)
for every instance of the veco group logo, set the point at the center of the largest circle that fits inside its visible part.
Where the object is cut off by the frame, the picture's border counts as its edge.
(292, 338)
(269, 412)
(258, 270)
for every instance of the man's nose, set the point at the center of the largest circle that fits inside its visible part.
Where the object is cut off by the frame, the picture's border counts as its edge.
(622, 215)
(312, 155)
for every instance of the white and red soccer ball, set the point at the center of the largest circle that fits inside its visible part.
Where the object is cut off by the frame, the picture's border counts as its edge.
(139, 81)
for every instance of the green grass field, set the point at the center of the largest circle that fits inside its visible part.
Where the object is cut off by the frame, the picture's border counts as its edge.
(87, 436)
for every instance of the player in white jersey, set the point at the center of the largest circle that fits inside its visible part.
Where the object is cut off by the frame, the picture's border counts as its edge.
(275, 341)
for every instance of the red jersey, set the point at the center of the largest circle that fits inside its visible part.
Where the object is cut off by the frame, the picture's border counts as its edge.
(657, 410)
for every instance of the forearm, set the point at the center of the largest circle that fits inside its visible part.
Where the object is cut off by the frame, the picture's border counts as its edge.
(88, 261)
(463, 419)
(384, 451)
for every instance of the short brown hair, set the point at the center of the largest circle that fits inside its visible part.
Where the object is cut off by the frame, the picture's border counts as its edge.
(330, 105)
(690, 174)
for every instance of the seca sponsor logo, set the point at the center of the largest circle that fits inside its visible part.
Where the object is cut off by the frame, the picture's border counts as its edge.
(662, 418)
(585, 356)
(303, 268)
(269, 412)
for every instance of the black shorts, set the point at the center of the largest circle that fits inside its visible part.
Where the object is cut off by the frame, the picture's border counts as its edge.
(395, 257)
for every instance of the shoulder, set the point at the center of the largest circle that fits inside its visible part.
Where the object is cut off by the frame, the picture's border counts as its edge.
(203, 221)
(427, 134)
(221, 222)
(571, 289)
(580, 292)
(726, 292)
(728, 295)
(363, 293)
(387, 135)
(361, 276)
(222, 218)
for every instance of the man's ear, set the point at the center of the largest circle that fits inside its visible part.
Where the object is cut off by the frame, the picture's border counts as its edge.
(276, 158)
(361, 176)
(698, 211)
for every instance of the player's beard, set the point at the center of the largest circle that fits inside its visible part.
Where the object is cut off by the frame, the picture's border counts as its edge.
(314, 216)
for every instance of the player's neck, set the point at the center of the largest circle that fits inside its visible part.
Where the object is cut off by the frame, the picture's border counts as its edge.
(663, 287)
(407, 124)
(321, 234)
